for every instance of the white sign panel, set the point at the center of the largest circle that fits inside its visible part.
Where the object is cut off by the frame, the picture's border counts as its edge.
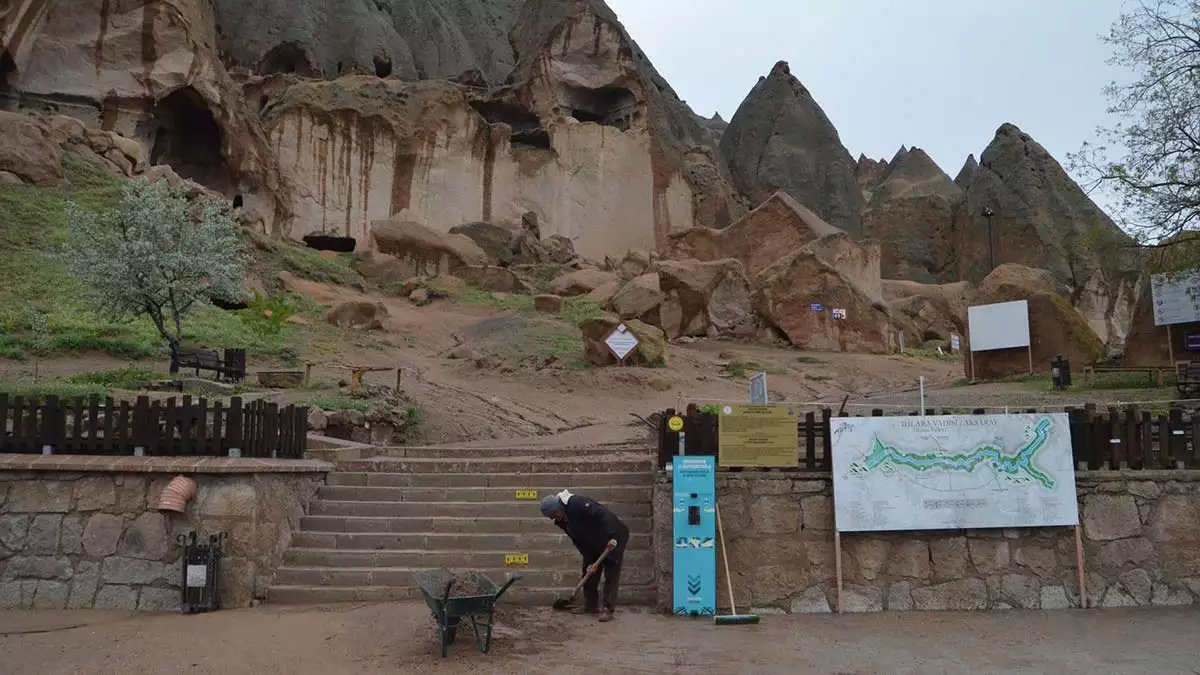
(953, 472)
(1002, 326)
(622, 342)
(758, 389)
(197, 576)
(1176, 298)
(955, 343)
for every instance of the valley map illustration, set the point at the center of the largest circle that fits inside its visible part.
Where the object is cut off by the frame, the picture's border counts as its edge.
(953, 472)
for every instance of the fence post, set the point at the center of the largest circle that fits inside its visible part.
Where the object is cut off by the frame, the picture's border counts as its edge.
(18, 425)
(1178, 440)
(4, 442)
(810, 440)
(142, 426)
(233, 434)
(827, 441)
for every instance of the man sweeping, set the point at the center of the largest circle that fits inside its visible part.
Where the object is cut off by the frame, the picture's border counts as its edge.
(593, 529)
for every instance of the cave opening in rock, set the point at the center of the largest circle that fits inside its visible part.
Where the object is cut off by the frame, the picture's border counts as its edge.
(286, 58)
(931, 336)
(610, 106)
(8, 73)
(527, 130)
(383, 66)
(238, 201)
(189, 139)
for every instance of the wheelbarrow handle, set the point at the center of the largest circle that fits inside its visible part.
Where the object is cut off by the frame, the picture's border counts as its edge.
(512, 579)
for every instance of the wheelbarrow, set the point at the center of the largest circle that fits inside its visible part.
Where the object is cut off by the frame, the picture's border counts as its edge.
(437, 587)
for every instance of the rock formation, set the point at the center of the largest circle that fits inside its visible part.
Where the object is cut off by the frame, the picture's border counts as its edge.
(780, 139)
(911, 212)
(936, 312)
(963, 179)
(423, 251)
(870, 173)
(706, 299)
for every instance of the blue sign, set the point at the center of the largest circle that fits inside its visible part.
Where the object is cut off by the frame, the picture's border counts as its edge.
(695, 532)
(817, 307)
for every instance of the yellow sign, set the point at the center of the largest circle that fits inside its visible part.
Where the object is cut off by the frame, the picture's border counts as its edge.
(527, 494)
(522, 559)
(675, 423)
(758, 436)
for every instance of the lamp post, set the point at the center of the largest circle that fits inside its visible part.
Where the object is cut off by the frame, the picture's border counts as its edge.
(989, 214)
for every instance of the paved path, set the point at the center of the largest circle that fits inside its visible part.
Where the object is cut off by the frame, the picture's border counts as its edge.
(398, 638)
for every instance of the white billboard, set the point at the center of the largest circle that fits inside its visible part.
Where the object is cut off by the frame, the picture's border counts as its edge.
(953, 472)
(1001, 326)
(1176, 298)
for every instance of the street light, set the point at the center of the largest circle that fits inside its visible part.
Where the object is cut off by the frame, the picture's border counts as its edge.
(989, 214)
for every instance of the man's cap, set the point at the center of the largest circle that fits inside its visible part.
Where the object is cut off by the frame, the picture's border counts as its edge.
(550, 504)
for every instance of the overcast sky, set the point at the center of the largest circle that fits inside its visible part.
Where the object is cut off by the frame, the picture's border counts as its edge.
(941, 75)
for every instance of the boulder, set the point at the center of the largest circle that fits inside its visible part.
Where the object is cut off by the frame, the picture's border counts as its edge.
(834, 273)
(424, 251)
(779, 226)
(559, 250)
(492, 278)
(781, 139)
(381, 269)
(634, 264)
(581, 282)
(639, 299)
(549, 304)
(705, 299)
(651, 351)
(496, 241)
(1055, 327)
(603, 294)
(26, 150)
(358, 314)
(936, 312)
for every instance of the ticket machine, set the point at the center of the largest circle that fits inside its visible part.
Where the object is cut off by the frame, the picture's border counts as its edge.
(695, 531)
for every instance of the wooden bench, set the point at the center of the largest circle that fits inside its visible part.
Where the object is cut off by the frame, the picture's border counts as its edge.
(1187, 378)
(1154, 373)
(233, 366)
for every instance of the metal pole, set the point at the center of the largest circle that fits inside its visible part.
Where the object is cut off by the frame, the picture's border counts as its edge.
(991, 245)
(922, 396)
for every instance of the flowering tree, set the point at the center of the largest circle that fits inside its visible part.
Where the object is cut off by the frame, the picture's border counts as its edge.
(157, 255)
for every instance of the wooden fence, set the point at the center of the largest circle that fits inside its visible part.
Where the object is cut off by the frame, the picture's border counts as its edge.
(93, 426)
(1101, 440)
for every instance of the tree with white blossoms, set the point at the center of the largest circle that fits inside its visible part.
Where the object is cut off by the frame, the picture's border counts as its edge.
(157, 255)
(1155, 169)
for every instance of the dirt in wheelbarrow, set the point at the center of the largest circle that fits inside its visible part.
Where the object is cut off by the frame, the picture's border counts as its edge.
(465, 585)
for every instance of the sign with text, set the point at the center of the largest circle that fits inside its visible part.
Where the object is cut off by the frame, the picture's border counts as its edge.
(953, 472)
(526, 494)
(839, 314)
(622, 342)
(517, 559)
(1004, 325)
(758, 436)
(758, 389)
(1176, 298)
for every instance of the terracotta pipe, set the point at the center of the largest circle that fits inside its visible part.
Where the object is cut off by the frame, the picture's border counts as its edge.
(177, 494)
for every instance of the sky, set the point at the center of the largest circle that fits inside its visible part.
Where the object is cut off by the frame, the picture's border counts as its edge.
(941, 75)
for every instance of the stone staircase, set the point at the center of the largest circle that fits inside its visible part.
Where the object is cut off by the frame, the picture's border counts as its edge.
(379, 520)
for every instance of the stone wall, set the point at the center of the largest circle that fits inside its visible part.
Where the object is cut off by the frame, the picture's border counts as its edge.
(90, 537)
(1141, 534)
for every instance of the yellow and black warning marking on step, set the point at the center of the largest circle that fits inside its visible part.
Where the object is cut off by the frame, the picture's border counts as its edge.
(516, 559)
(527, 494)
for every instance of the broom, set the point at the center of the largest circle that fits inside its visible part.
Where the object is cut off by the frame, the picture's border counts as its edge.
(733, 619)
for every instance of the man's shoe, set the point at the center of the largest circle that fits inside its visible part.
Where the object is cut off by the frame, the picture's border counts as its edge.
(606, 616)
(585, 610)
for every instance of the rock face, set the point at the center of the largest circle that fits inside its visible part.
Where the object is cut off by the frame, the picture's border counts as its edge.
(26, 151)
(936, 312)
(1055, 327)
(639, 298)
(712, 299)
(780, 139)
(911, 213)
(870, 174)
(423, 251)
(496, 241)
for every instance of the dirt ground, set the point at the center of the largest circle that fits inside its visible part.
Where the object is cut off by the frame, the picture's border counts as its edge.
(399, 638)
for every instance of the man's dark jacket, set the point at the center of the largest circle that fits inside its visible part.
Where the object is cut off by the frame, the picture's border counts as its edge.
(591, 526)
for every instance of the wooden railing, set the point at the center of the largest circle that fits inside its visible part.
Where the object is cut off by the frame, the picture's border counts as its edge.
(95, 426)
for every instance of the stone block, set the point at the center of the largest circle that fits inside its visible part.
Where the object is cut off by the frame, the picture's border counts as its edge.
(951, 558)
(1145, 489)
(1021, 591)
(772, 486)
(38, 567)
(160, 600)
(910, 559)
(1180, 560)
(10, 595)
(227, 499)
(1117, 597)
(809, 486)
(117, 598)
(1108, 517)
(146, 537)
(962, 595)
(83, 585)
(1138, 585)
(862, 599)
(237, 583)
(13, 529)
(102, 534)
(71, 537)
(39, 496)
(989, 555)
(1115, 555)
(1175, 519)
(869, 554)
(1164, 596)
(900, 597)
(1043, 561)
(818, 513)
(812, 601)
(43, 535)
(93, 493)
(131, 494)
(50, 595)
(775, 515)
(119, 570)
(1054, 597)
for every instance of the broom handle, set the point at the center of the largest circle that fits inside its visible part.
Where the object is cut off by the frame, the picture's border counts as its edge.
(725, 557)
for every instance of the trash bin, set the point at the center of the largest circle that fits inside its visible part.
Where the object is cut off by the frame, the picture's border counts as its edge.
(1060, 372)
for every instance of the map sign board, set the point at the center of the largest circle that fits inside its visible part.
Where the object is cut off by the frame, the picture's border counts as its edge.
(1176, 298)
(622, 342)
(953, 472)
(1004, 325)
(759, 436)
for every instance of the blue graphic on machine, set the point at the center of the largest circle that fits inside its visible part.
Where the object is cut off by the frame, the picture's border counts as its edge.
(695, 534)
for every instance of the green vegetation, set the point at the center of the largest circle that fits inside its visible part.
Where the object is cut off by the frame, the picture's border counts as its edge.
(932, 354)
(744, 369)
(278, 256)
(97, 383)
(810, 360)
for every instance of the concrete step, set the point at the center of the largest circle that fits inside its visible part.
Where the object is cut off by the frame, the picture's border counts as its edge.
(494, 480)
(518, 594)
(446, 525)
(509, 509)
(556, 559)
(623, 463)
(376, 541)
(627, 495)
(403, 576)
(547, 452)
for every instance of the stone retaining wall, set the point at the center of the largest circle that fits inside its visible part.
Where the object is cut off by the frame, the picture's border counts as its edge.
(1141, 540)
(84, 532)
